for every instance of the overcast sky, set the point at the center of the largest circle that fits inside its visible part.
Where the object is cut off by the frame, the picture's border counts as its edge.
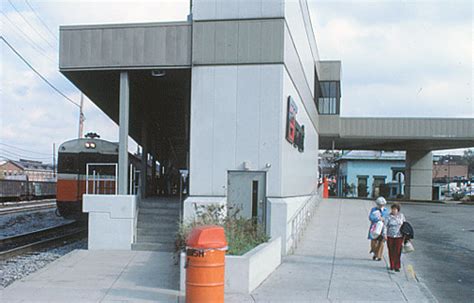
(400, 58)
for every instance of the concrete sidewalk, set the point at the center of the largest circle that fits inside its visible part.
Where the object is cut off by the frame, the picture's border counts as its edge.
(100, 276)
(332, 264)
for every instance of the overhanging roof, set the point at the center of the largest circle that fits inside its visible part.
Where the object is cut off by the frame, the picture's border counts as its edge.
(125, 46)
(395, 133)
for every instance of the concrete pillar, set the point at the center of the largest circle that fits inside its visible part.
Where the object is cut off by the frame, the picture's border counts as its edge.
(153, 175)
(124, 109)
(144, 166)
(419, 175)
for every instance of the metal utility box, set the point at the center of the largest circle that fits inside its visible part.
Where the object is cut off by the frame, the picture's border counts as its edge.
(246, 190)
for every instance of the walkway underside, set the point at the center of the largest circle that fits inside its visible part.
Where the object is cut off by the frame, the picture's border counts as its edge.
(389, 144)
(369, 133)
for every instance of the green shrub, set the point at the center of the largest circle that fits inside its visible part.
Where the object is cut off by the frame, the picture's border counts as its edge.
(242, 234)
(458, 196)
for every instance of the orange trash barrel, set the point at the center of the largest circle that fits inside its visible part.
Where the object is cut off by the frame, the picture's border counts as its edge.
(325, 188)
(205, 260)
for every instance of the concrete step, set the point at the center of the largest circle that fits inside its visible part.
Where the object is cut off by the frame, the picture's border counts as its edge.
(165, 232)
(147, 246)
(160, 211)
(159, 204)
(154, 225)
(164, 239)
(163, 219)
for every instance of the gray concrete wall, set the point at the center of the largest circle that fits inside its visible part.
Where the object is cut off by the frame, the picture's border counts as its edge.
(119, 46)
(419, 175)
(407, 127)
(329, 125)
(295, 68)
(238, 42)
(330, 71)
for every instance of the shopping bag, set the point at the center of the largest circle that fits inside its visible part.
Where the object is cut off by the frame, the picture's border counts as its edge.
(376, 230)
(408, 247)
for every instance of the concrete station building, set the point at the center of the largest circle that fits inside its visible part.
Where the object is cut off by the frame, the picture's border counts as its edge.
(239, 96)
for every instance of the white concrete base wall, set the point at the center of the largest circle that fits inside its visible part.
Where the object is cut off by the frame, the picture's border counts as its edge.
(191, 203)
(245, 273)
(282, 211)
(111, 221)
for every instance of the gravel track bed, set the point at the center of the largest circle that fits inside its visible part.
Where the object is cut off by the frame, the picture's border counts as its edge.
(21, 266)
(29, 221)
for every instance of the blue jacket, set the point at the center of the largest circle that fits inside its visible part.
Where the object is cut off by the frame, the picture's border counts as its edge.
(375, 215)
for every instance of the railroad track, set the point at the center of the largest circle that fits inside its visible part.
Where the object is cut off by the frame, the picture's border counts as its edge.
(17, 207)
(41, 239)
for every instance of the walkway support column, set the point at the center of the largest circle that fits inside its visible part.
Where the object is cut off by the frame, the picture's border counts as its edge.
(419, 175)
(124, 100)
(143, 171)
(153, 174)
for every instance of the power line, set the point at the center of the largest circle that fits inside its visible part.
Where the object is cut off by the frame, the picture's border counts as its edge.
(38, 73)
(9, 153)
(29, 24)
(41, 20)
(36, 47)
(22, 149)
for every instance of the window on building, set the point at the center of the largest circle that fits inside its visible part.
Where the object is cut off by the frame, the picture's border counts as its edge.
(396, 171)
(328, 97)
(362, 190)
(394, 191)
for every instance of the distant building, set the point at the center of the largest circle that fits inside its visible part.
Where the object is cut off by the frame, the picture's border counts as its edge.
(452, 167)
(22, 169)
(371, 173)
(327, 164)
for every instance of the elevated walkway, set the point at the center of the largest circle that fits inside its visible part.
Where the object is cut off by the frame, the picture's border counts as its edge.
(370, 133)
(157, 224)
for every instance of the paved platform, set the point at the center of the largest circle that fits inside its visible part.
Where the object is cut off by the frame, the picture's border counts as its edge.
(331, 264)
(100, 276)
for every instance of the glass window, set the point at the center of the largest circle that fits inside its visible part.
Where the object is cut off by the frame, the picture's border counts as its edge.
(327, 97)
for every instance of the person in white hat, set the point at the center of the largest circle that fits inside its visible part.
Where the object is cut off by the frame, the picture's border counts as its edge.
(377, 213)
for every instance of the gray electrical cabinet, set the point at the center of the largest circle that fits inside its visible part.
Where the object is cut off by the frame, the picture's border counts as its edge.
(246, 190)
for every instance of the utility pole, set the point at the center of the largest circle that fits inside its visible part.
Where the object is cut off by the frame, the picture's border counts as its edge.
(449, 174)
(54, 160)
(81, 117)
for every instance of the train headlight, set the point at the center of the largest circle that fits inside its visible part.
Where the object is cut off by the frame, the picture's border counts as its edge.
(89, 145)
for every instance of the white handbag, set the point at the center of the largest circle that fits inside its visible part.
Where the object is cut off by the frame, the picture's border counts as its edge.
(376, 230)
(408, 247)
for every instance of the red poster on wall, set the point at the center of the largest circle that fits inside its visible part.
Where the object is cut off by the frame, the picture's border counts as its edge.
(291, 120)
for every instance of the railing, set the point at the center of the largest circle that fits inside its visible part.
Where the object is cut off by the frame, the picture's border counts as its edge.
(101, 182)
(182, 177)
(302, 217)
(135, 180)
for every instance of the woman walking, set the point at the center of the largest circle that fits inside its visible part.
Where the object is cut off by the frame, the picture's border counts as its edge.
(378, 213)
(394, 237)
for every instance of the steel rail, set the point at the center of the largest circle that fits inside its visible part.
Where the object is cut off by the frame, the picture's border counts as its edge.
(44, 238)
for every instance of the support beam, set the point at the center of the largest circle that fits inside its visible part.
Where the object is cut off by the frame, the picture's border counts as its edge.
(419, 175)
(153, 175)
(144, 166)
(124, 100)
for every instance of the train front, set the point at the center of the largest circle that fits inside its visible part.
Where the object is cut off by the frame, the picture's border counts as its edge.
(73, 159)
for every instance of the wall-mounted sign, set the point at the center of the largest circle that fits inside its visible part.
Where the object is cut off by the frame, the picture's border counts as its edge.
(294, 131)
